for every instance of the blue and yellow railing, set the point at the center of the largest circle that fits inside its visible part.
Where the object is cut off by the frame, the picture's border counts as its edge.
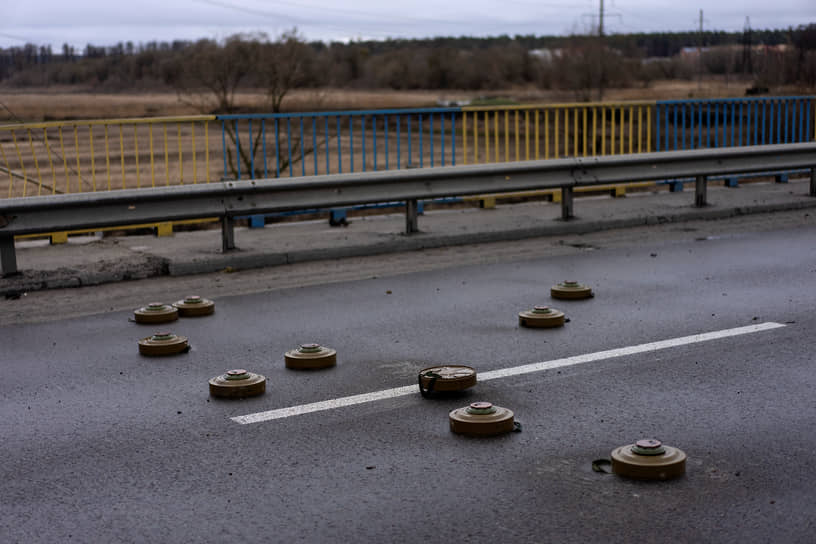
(101, 155)
(108, 154)
(515, 133)
(301, 144)
(729, 122)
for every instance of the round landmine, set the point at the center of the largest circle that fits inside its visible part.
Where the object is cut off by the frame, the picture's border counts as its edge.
(446, 379)
(155, 312)
(570, 290)
(481, 419)
(237, 384)
(310, 356)
(163, 343)
(541, 317)
(194, 306)
(648, 459)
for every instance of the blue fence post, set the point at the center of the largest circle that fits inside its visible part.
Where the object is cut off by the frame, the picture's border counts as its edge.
(674, 125)
(764, 125)
(408, 164)
(733, 121)
(801, 115)
(251, 152)
(314, 143)
(237, 150)
(786, 119)
(302, 149)
(442, 139)
(263, 144)
(374, 140)
(419, 130)
(708, 124)
(399, 138)
(385, 127)
(351, 143)
(431, 136)
(255, 221)
(277, 149)
(717, 125)
(224, 147)
(362, 127)
(739, 134)
(339, 148)
(289, 145)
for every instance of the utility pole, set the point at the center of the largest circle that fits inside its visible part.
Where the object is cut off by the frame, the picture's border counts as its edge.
(601, 53)
(700, 56)
(747, 68)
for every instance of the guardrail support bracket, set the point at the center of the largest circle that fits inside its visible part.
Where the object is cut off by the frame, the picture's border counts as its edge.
(700, 192)
(227, 233)
(411, 213)
(257, 221)
(8, 258)
(566, 203)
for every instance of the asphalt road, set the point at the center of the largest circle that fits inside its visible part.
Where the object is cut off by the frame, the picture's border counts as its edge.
(100, 444)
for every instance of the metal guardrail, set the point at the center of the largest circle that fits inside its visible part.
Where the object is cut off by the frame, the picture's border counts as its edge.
(226, 200)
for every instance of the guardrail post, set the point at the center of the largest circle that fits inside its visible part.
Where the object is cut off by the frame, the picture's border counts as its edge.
(700, 192)
(813, 181)
(8, 258)
(227, 233)
(566, 203)
(411, 221)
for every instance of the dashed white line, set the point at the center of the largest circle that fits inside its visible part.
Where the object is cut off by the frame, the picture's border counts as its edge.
(506, 372)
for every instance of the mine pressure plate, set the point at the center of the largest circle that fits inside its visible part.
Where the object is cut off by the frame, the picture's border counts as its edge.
(236, 384)
(570, 290)
(309, 356)
(194, 306)
(648, 459)
(541, 317)
(482, 419)
(163, 343)
(155, 312)
(445, 379)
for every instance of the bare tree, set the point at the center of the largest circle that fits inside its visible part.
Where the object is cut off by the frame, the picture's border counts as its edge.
(209, 75)
(282, 66)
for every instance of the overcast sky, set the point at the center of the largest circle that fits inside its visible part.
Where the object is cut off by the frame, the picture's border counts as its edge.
(99, 22)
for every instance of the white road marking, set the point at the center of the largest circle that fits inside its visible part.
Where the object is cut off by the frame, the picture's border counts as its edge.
(505, 372)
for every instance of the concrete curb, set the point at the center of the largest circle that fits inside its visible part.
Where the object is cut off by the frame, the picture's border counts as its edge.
(152, 266)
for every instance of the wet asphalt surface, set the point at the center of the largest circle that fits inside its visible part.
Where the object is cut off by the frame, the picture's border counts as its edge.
(100, 444)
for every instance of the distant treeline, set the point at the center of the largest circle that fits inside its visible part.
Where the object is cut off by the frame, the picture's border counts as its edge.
(567, 62)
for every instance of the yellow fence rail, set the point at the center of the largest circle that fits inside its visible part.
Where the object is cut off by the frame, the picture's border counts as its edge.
(550, 131)
(492, 134)
(107, 154)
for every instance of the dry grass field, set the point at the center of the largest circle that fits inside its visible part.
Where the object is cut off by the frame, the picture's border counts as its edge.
(63, 103)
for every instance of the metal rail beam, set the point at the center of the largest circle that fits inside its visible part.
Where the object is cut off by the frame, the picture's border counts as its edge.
(229, 199)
